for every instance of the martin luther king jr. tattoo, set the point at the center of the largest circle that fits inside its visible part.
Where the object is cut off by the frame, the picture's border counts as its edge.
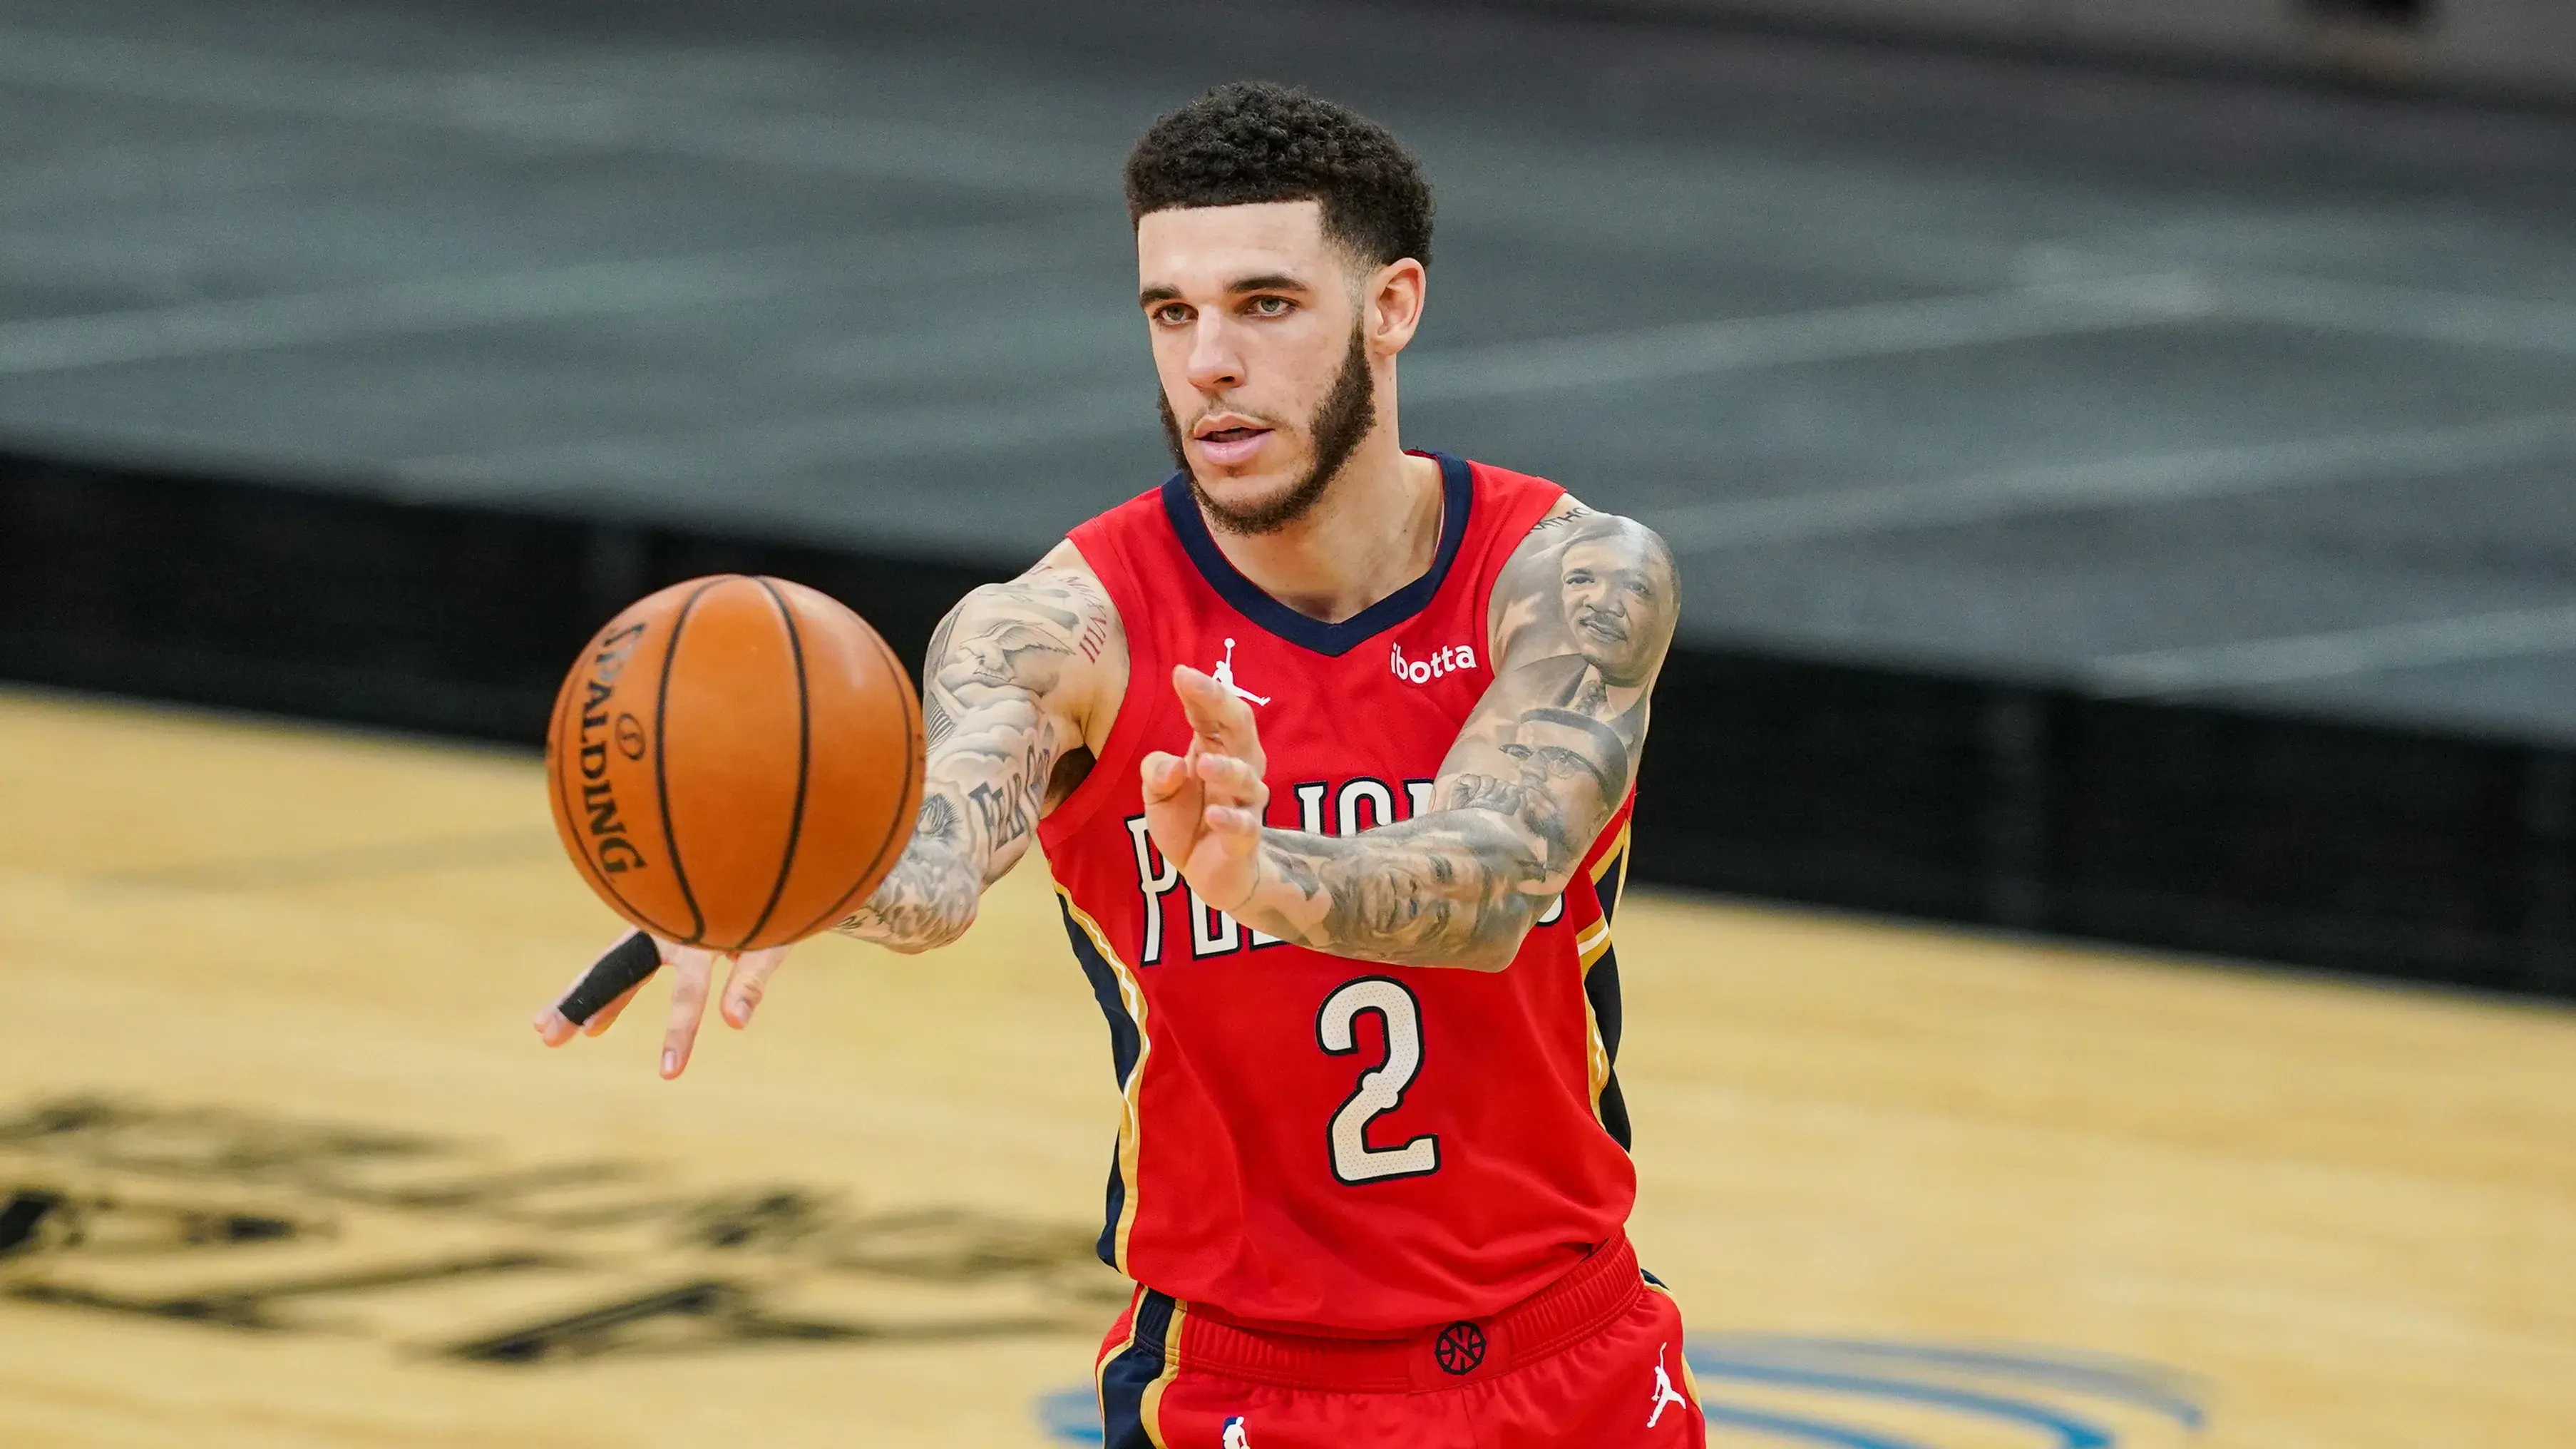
(1582, 615)
(1002, 745)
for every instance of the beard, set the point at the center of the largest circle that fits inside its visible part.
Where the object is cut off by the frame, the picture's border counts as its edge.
(1347, 414)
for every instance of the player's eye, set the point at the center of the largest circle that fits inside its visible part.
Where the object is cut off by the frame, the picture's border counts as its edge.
(1272, 306)
(1171, 314)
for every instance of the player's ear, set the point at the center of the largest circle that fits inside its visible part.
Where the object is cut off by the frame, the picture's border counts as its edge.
(1393, 305)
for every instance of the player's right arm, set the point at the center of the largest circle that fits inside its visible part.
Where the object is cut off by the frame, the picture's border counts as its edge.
(1008, 704)
(1020, 688)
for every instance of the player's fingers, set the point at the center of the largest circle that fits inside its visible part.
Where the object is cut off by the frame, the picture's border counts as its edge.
(1231, 781)
(691, 971)
(1212, 709)
(1230, 728)
(1221, 719)
(1233, 824)
(608, 1014)
(553, 1027)
(1173, 802)
(748, 982)
(627, 962)
(1162, 776)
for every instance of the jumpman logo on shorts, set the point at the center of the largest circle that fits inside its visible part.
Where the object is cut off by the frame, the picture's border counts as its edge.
(1664, 1394)
(1234, 1436)
(1224, 676)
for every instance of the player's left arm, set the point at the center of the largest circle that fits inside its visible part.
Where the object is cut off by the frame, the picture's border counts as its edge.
(1582, 615)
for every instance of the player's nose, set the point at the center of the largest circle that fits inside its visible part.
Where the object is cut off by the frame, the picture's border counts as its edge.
(1215, 364)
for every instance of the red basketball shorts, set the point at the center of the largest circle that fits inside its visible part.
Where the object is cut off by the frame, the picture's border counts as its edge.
(1593, 1360)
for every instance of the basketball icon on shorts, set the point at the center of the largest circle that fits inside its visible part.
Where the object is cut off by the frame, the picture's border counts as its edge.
(1460, 1349)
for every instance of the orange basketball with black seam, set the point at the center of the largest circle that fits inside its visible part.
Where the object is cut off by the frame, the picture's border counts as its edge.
(735, 762)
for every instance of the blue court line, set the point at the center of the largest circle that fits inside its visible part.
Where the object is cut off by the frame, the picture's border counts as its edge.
(1789, 1426)
(2071, 1432)
(2148, 1386)
(1071, 1416)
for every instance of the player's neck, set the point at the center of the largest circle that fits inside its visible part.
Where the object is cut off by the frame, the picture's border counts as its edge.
(1374, 531)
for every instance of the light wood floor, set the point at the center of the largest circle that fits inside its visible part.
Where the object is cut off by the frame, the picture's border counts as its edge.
(285, 1157)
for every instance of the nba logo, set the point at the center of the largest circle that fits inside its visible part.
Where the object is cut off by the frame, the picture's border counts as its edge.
(1234, 1436)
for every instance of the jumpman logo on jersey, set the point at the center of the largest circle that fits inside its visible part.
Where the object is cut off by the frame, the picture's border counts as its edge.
(1664, 1394)
(1224, 675)
(1234, 1436)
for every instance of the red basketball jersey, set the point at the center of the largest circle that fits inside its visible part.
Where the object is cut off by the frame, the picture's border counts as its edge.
(1307, 1139)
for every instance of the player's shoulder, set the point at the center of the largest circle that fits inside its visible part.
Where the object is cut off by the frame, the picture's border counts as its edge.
(1573, 552)
(1557, 519)
(1575, 536)
(1051, 630)
(1060, 594)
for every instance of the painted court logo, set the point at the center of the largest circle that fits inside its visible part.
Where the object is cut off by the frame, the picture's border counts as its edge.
(1422, 671)
(264, 1226)
(1793, 1389)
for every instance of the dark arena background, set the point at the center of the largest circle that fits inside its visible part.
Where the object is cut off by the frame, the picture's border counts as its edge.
(2106, 860)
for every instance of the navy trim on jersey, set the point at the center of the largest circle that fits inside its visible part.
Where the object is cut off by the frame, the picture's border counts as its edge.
(1601, 986)
(1124, 1045)
(1113, 1208)
(1124, 1379)
(1457, 493)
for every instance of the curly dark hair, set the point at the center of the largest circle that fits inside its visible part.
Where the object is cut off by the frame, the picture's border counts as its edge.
(1256, 141)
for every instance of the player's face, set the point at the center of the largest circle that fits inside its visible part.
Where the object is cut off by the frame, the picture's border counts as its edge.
(1607, 594)
(1258, 339)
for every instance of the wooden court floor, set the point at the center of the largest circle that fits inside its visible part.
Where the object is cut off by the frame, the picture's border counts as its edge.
(282, 1165)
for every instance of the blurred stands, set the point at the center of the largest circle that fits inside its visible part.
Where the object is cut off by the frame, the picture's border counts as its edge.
(2496, 48)
(2115, 502)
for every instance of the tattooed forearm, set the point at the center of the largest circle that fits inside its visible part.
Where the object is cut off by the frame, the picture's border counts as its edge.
(926, 900)
(1454, 888)
(1001, 707)
(1582, 616)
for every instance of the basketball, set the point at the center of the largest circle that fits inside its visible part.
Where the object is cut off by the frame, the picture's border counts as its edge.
(734, 762)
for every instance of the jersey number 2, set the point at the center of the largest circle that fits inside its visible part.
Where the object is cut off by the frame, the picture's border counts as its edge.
(1381, 1088)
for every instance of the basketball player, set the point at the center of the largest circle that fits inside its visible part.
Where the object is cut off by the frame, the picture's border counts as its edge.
(1331, 747)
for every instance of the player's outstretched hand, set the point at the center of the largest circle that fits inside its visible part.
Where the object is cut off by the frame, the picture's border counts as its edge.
(592, 1003)
(1204, 808)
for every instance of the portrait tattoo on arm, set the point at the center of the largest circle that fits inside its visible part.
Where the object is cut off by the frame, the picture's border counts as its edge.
(1000, 704)
(1582, 615)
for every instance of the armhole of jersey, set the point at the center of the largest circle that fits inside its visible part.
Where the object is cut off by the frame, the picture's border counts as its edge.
(1107, 557)
(1539, 498)
(1622, 822)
